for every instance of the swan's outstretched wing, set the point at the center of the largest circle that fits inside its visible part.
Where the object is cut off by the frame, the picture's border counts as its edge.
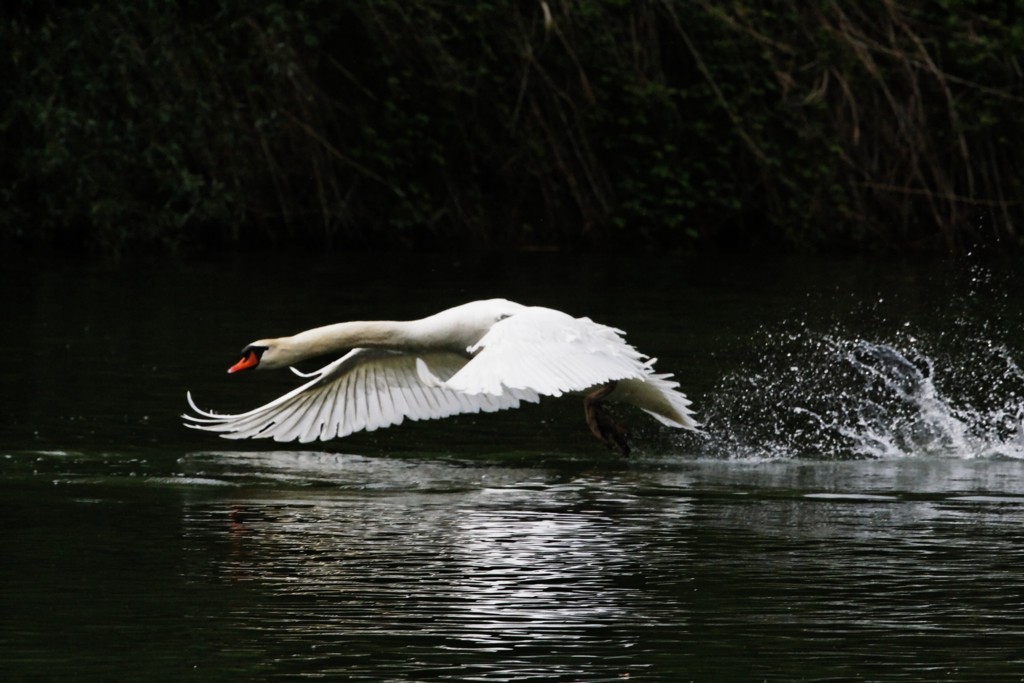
(551, 353)
(366, 389)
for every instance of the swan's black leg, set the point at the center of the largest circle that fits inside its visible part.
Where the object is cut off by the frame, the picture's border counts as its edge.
(601, 423)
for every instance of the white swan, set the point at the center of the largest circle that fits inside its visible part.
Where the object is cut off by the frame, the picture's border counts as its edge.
(481, 356)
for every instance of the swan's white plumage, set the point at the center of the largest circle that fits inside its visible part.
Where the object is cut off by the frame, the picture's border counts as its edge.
(483, 356)
(549, 352)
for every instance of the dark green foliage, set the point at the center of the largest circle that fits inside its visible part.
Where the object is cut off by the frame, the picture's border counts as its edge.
(889, 124)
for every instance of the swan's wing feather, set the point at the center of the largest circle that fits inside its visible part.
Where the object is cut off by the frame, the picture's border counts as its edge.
(549, 352)
(366, 389)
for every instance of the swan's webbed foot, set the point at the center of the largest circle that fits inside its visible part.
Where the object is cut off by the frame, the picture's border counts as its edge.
(602, 425)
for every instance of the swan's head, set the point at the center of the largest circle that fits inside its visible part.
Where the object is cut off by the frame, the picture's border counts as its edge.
(269, 354)
(254, 355)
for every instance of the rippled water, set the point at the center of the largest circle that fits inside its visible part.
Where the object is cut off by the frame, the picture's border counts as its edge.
(374, 568)
(854, 511)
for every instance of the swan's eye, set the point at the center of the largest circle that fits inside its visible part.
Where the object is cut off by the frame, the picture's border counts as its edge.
(255, 349)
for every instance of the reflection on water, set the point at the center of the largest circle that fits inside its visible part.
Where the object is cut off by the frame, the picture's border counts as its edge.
(233, 565)
(464, 573)
(717, 570)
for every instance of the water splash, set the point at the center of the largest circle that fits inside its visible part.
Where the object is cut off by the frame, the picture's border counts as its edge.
(834, 396)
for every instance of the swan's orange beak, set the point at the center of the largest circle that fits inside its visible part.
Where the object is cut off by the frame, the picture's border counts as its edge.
(250, 360)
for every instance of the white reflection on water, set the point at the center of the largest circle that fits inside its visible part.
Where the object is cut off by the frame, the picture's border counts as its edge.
(431, 571)
(429, 568)
(530, 574)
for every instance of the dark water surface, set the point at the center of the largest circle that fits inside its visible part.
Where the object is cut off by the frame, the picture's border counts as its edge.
(854, 510)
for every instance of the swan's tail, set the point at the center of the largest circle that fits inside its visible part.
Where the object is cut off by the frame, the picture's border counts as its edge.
(658, 395)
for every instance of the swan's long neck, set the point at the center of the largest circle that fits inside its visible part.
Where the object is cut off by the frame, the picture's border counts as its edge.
(332, 339)
(452, 330)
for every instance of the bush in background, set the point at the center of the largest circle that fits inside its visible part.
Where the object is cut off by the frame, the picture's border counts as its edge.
(887, 125)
